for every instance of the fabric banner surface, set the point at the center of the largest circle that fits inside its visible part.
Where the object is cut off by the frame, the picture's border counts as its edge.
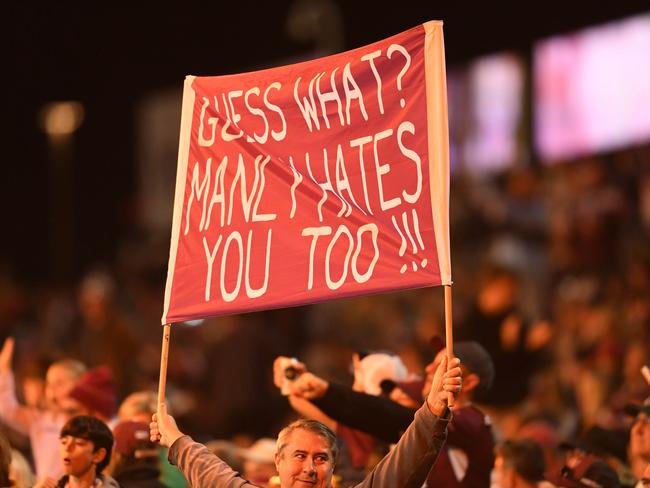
(318, 180)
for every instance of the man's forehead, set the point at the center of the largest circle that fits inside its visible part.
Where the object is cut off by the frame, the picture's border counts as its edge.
(305, 440)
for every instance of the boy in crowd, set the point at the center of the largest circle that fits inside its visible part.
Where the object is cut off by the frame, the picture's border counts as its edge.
(85, 450)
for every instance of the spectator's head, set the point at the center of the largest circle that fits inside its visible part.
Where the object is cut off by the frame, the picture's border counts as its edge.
(93, 394)
(639, 444)
(306, 450)
(607, 444)
(589, 472)
(518, 463)
(60, 378)
(133, 446)
(371, 369)
(86, 446)
(498, 290)
(138, 406)
(476, 365)
(259, 461)
(95, 298)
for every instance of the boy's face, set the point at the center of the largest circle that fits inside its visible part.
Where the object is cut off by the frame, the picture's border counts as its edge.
(79, 457)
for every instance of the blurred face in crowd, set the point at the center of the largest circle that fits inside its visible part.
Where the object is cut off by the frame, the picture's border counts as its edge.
(497, 295)
(71, 408)
(504, 475)
(257, 472)
(79, 457)
(58, 383)
(306, 460)
(640, 436)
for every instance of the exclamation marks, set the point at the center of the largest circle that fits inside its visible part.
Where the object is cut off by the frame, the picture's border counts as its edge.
(405, 233)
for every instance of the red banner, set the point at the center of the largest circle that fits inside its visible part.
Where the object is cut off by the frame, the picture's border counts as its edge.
(323, 179)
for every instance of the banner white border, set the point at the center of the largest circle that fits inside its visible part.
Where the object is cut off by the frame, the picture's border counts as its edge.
(189, 96)
(436, 89)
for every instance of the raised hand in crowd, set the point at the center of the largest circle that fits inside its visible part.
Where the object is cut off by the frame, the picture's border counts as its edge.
(6, 355)
(163, 428)
(292, 378)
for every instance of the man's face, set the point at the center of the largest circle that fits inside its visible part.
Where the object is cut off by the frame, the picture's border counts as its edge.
(58, 383)
(306, 460)
(640, 436)
(78, 457)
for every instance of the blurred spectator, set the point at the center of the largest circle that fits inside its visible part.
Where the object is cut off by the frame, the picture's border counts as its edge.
(518, 464)
(639, 446)
(42, 426)
(514, 344)
(93, 394)
(140, 406)
(136, 457)
(587, 472)
(102, 334)
(259, 461)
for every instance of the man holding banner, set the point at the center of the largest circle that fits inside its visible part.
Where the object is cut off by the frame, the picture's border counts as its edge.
(303, 183)
(306, 450)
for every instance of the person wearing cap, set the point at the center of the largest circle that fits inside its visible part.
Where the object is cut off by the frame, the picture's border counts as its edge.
(86, 446)
(93, 394)
(139, 406)
(588, 472)
(41, 425)
(606, 444)
(639, 444)
(307, 450)
(468, 456)
(136, 457)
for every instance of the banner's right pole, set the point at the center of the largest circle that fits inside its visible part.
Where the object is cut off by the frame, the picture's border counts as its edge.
(449, 335)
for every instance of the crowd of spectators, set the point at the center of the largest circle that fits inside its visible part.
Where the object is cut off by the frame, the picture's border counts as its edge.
(551, 269)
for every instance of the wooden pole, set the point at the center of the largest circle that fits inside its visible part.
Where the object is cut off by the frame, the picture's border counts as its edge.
(163, 364)
(449, 335)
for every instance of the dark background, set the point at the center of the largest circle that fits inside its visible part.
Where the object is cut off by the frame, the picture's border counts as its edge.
(109, 56)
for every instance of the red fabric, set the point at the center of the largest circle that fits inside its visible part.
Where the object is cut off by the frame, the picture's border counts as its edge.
(310, 181)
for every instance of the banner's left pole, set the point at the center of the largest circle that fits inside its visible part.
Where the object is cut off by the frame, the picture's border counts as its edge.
(164, 354)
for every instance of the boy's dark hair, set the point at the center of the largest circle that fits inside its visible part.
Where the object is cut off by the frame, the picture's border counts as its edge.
(94, 430)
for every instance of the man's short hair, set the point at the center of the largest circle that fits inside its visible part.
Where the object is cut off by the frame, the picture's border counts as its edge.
(477, 360)
(525, 456)
(312, 426)
(94, 430)
(73, 366)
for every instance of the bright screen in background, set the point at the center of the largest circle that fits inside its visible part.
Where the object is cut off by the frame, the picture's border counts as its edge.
(592, 89)
(485, 113)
